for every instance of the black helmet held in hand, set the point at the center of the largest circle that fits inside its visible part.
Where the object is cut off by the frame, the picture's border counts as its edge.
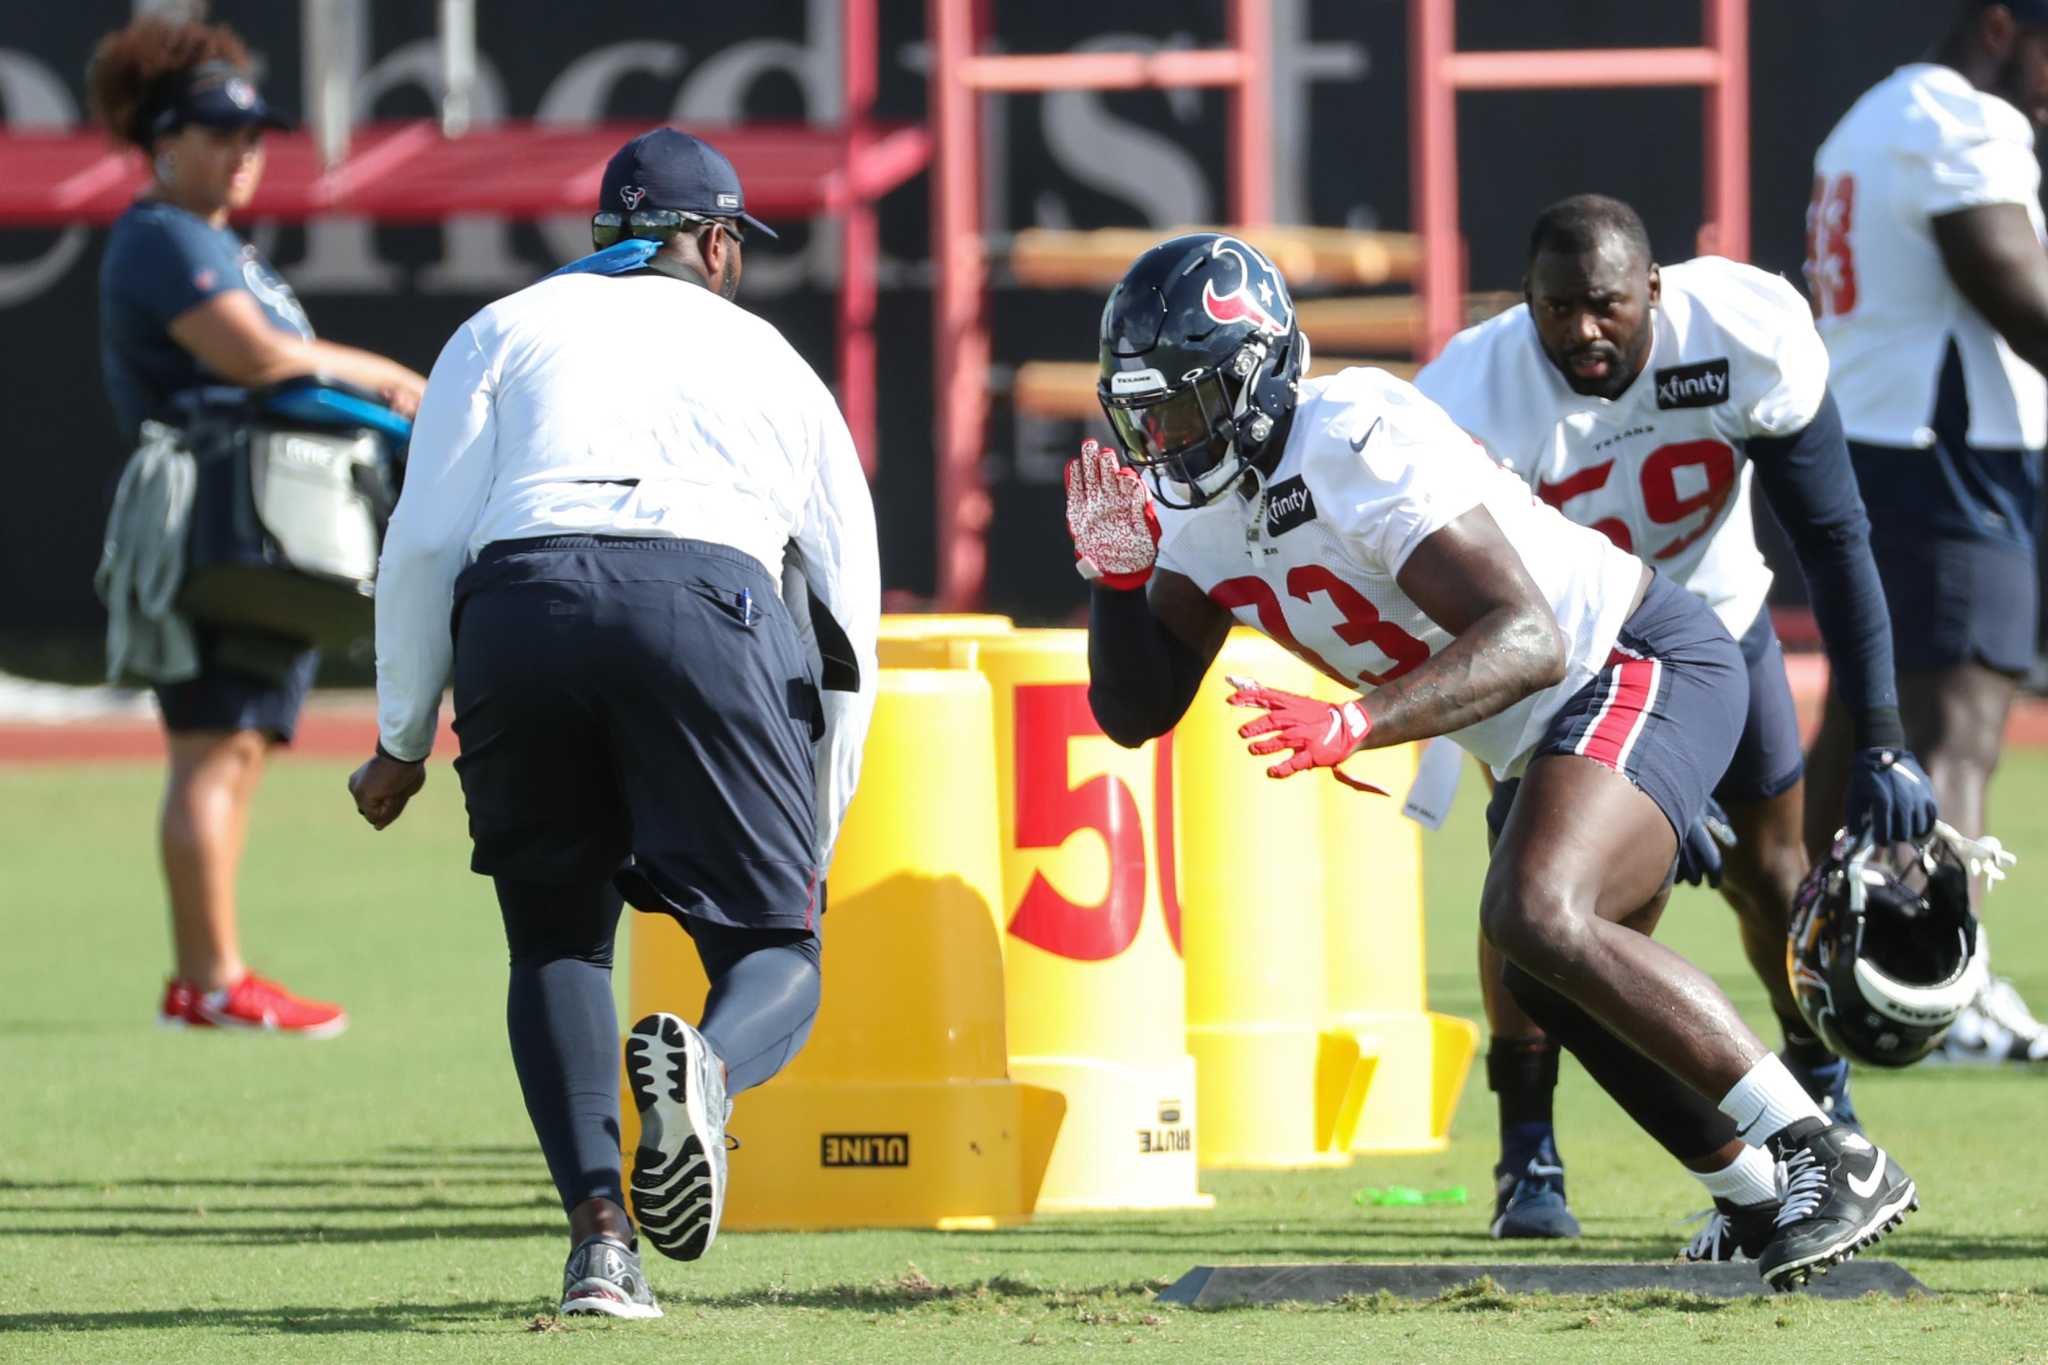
(1200, 357)
(1882, 962)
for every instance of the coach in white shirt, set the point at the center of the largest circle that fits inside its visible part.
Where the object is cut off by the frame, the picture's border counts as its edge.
(635, 534)
(1930, 286)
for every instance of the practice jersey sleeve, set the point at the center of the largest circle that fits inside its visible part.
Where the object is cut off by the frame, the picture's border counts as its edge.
(1963, 149)
(1473, 379)
(448, 476)
(1778, 364)
(834, 560)
(1402, 469)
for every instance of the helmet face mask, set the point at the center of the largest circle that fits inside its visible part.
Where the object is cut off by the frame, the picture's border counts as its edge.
(1882, 961)
(1199, 360)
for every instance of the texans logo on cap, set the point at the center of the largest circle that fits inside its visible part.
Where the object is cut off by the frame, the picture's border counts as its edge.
(240, 93)
(632, 194)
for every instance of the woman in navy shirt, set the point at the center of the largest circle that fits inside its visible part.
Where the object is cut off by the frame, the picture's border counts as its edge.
(186, 306)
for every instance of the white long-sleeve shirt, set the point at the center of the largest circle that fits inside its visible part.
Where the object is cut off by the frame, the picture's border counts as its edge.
(637, 405)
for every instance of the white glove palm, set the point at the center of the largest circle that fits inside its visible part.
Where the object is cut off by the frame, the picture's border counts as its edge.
(1111, 519)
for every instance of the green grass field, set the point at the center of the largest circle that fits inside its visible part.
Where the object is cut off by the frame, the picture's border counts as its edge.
(170, 1197)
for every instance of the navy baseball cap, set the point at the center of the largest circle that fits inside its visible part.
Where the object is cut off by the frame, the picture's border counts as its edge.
(212, 95)
(667, 169)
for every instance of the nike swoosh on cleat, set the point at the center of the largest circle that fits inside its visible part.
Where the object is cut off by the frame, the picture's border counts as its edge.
(1867, 1186)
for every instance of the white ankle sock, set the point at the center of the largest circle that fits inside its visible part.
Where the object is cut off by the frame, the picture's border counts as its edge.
(1767, 1100)
(1751, 1178)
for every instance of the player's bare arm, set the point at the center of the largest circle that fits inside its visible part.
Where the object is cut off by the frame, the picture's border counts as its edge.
(1472, 583)
(1996, 260)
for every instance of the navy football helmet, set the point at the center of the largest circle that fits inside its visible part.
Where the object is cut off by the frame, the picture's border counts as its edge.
(1200, 357)
(1883, 961)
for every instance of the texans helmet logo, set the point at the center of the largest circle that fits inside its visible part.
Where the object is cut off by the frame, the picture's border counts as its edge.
(1259, 296)
(632, 194)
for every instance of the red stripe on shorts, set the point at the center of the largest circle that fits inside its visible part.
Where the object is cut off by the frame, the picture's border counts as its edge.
(1631, 687)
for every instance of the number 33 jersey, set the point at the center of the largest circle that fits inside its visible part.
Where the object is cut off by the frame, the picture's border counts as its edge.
(1921, 144)
(1371, 469)
(1660, 470)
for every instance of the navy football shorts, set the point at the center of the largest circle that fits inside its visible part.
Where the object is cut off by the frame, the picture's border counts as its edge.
(1665, 713)
(1769, 759)
(1952, 530)
(622, 698)
(225, 697)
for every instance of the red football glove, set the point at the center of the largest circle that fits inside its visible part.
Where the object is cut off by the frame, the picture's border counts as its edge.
(1320, 734)
(1110, 517)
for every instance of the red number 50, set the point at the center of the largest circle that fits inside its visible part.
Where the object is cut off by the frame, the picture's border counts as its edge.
(1050, 811)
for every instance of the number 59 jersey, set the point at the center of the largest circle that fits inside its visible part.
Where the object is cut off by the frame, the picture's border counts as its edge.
(1661, 470)
(1371, 469)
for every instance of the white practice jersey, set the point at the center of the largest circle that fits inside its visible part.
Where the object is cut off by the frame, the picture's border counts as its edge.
(1661, 469)
(635, 405)
(1920, 144)
(1371, 470)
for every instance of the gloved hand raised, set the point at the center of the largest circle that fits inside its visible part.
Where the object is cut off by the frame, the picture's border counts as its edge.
(1110, 517)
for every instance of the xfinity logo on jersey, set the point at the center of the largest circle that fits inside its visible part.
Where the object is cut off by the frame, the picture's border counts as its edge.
(1288, 505)
(1704, 385)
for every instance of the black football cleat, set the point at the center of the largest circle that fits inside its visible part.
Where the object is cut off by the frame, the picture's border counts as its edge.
(1842, 1193)
(1734, 1232)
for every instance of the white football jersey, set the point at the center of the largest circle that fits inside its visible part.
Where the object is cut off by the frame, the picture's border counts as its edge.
(1372, 469)
(1660, 470)
(1922, 143)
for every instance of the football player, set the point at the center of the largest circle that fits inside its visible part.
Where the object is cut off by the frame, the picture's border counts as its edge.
(1638, 400)
(1930, 287)
(1352, 521)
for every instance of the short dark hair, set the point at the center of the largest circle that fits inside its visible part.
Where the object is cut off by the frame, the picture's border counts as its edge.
(1581, 223)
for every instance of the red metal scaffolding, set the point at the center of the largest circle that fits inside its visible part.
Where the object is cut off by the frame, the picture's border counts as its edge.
(1438, 73)
(961, 74)
(408, 172)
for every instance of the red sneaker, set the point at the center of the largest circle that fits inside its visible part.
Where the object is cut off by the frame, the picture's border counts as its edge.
(255, 1003)
(180, 1008)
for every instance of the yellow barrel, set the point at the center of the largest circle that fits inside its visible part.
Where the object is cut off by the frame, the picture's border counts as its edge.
(937, 639)
(1091, 961)
(1376, 964)
(900, 1110)
(1273, 1076)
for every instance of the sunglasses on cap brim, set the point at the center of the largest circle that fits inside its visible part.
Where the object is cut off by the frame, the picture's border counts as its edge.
(660, 225)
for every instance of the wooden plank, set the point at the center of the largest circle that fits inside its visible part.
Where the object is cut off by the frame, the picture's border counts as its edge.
(1065, 389)
(1047, 258)
(1383, 323)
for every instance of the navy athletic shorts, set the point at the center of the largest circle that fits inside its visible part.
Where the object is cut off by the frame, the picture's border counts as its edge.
(1952, 529)
(1665, 713)
(1769, 759)
(639, 711)
(228, 695)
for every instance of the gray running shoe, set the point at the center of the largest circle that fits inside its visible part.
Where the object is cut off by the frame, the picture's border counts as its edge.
(678, 1188)
(603, 1277)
